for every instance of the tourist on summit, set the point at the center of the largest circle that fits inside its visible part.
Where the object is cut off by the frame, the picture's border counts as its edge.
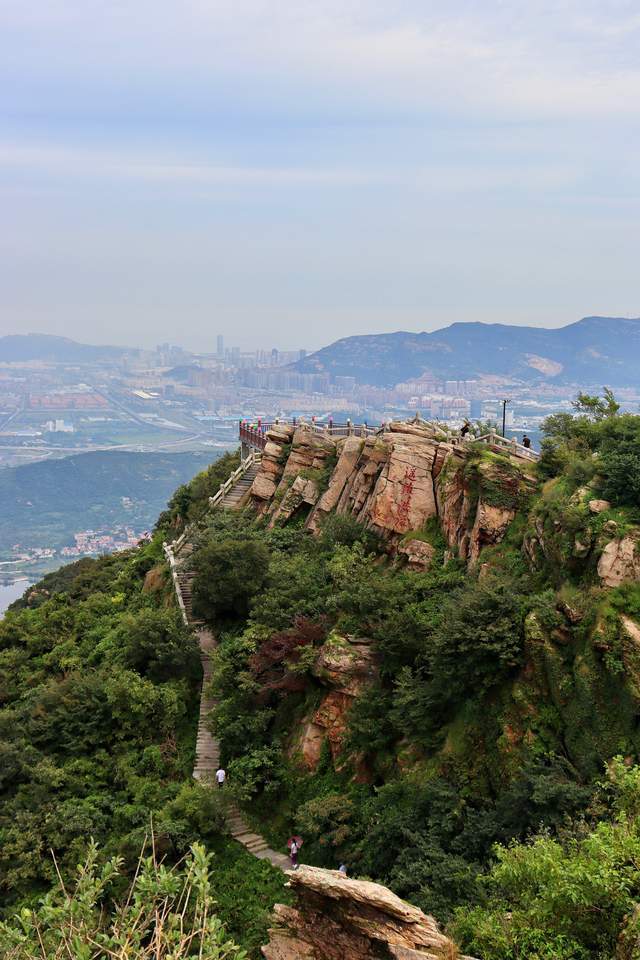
(466, 426)
(526, 442)
(221, 776)
(342, 869)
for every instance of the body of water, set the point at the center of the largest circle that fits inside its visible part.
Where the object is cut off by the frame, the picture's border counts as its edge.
(10, 592)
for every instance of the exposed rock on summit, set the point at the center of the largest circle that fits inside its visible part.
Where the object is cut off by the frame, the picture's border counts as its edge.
(394, 482)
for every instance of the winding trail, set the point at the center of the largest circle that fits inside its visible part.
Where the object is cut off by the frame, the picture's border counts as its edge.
(208, 746)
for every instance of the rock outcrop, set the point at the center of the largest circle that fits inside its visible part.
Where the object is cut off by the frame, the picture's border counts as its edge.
(620, 561)
(419, 553)
(274, 457)
(345, 666)
(337, 918)
(394, 482)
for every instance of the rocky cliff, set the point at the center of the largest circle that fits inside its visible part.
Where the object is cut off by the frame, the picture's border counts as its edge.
(336, 918)
(426, 496)
(395, 483)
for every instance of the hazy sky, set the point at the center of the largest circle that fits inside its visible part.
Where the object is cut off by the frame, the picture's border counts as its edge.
(288, 172)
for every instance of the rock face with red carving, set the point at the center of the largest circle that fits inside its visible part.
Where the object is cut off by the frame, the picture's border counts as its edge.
(337, 918)
(394, 483)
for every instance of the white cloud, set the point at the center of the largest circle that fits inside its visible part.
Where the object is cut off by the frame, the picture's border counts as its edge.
(553, 59)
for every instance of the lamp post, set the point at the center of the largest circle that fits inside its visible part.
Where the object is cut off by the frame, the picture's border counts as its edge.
(504, 416)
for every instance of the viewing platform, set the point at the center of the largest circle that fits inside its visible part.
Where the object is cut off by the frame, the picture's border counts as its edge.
(253, 434)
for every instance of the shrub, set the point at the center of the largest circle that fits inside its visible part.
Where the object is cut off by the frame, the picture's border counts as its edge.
(167, 915)
(229, 574)
(573, 896)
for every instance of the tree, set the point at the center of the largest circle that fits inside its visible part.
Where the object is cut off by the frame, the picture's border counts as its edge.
(155, 644)
(570, 897)
(595, 407)
(229, 574)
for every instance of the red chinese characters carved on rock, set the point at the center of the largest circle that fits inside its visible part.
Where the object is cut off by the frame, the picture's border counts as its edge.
(405, 500)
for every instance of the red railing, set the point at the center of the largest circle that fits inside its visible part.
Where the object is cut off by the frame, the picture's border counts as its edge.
(254, 434)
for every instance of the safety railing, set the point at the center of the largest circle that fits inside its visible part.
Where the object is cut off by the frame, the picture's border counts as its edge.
(231, 481)
(254, 434)
(170, 555)
(509, 446)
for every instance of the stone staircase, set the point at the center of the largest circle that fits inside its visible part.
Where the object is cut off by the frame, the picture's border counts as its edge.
(239, 493)
(207, 746)
(254, 843)
(185, 580)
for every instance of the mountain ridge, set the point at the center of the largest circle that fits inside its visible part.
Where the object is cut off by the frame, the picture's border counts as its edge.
(592, 350)
(25, 347)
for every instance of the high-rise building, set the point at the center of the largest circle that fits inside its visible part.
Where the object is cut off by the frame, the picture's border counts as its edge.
(220, 347)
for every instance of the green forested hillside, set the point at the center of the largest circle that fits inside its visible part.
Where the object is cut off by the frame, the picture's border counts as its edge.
(99, 687)
(485, 768)
(502, 693)
(43, 504)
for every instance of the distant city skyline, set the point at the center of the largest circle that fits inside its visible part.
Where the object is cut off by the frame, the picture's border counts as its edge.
(299, 172)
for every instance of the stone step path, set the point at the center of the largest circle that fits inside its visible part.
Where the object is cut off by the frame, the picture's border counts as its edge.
(207, 746)
(238, 495)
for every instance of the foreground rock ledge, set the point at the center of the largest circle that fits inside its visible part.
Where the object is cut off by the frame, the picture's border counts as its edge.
(337, 918)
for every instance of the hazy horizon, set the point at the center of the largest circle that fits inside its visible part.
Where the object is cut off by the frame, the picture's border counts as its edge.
(98, 341)
(295, 174)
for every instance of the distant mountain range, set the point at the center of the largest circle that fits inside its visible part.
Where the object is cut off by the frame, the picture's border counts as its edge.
(595, 350)
(39, 346)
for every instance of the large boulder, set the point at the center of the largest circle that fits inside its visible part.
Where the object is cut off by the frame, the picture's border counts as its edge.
(263, 487)
(619, 562)
(346, 664)
(419, 553)
(337, 918)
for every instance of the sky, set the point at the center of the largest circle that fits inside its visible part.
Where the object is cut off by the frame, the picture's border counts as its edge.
(290, 172)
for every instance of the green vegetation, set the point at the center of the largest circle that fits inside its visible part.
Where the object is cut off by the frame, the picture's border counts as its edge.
(444, 732)
(45, 503)
(166, 914)
(568, 896)
(99, 685)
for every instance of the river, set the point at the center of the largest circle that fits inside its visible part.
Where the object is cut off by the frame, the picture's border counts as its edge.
(11, 591)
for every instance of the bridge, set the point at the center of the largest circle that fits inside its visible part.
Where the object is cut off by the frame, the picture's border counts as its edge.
(253, 435)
